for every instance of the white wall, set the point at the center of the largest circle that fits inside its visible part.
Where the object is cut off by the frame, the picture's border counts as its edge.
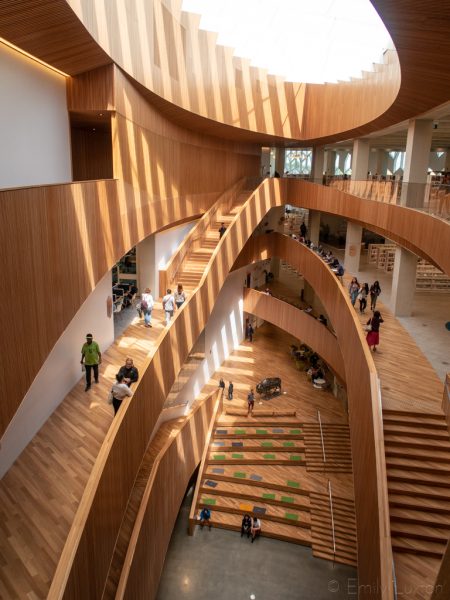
(223, 333)
(34, 123)
(60, 372)
(154, 252)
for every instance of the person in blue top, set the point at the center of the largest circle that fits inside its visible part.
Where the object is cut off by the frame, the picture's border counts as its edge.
(205, 517)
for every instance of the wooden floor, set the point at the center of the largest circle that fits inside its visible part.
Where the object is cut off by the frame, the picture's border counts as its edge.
(417, 446)
(273, 465)
(40, 493)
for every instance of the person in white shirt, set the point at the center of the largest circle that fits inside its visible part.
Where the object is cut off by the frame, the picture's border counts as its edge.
(168, 303)
(147, 306)
(119, 391)
(255, 529)
(180, 296)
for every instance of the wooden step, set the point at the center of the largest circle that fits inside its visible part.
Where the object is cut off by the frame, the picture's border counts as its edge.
(255, 498)
(422, 455)
(414, 531)
(412, 490)
(284, 532)
(418, 466)
(394, 441)
(412, 414)
(417, 433)
(419, 517)
(412, 423)
(422, 479)
(231, 505)
(258, 484)
(335, 558)
(405, 545)
(256, 424)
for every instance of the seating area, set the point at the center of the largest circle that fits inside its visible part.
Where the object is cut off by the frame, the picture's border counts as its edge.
(273, 464)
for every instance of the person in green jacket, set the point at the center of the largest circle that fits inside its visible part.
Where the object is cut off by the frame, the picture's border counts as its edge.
(91, 358)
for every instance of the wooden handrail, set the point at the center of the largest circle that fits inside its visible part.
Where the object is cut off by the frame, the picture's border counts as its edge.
(330, 496)
(321, 439)
(446, 399)
(212, 403)
(218, 409)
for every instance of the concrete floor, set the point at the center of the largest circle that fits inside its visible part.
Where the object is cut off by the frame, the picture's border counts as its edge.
(219, 564)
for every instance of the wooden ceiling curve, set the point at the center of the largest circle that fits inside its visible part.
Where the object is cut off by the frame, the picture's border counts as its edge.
(202, 86)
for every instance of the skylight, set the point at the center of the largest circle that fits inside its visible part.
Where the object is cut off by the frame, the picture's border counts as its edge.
(303, 40)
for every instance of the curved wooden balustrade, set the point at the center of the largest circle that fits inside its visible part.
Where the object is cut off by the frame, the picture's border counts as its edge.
(366, 428)
(161, 502)
(168, 275)
(107, 492)
(425, 235)
(201, 84)
(297, 323)
(103, 504)
(67, 237)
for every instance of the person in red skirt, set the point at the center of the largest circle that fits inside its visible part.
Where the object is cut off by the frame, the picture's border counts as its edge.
(373, 326)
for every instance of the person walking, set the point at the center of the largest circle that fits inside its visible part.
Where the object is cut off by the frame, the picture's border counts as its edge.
(353, 290)
(362, 297)
(373, 327)
(180, 296)
(250, 402)
(303, 230)
(222, 230)
(222, 384)
(147, 306)
(119, 391)
(230, 390)
(375, 291)
(249, 331)
(91, 358)
(168, 303)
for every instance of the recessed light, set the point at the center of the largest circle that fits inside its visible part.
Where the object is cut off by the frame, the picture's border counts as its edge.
(100, 114)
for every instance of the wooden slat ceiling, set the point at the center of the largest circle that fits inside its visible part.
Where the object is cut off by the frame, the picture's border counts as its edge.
(50, 30)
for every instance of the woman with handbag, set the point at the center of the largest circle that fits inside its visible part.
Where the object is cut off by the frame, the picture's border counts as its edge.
(373, 330)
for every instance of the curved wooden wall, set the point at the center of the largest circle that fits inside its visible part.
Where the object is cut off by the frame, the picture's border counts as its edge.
(296, 322)
(423, 234)
(162, 499)
(58, 241)
(96, 524)
(366, 427)
(201, 84)
(98, 519)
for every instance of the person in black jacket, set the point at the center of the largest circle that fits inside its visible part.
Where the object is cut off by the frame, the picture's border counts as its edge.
(129, 372)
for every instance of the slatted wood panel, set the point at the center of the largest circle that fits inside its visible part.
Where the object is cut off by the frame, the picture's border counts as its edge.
(137, 418)
(71, 235)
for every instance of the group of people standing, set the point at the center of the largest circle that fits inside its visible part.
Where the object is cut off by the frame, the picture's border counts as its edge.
(361, 292)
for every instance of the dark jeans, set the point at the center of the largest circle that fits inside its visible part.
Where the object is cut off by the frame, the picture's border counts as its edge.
(88, 374)
(116, 405)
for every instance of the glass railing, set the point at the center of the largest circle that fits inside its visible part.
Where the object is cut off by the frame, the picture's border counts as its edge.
(432, 198)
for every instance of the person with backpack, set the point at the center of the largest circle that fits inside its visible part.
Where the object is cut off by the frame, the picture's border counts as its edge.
(147, 306)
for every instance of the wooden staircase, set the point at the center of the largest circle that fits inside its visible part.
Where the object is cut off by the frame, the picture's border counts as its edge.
(417, 447)
(342, 548)
(248, 469)
(336, 444)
